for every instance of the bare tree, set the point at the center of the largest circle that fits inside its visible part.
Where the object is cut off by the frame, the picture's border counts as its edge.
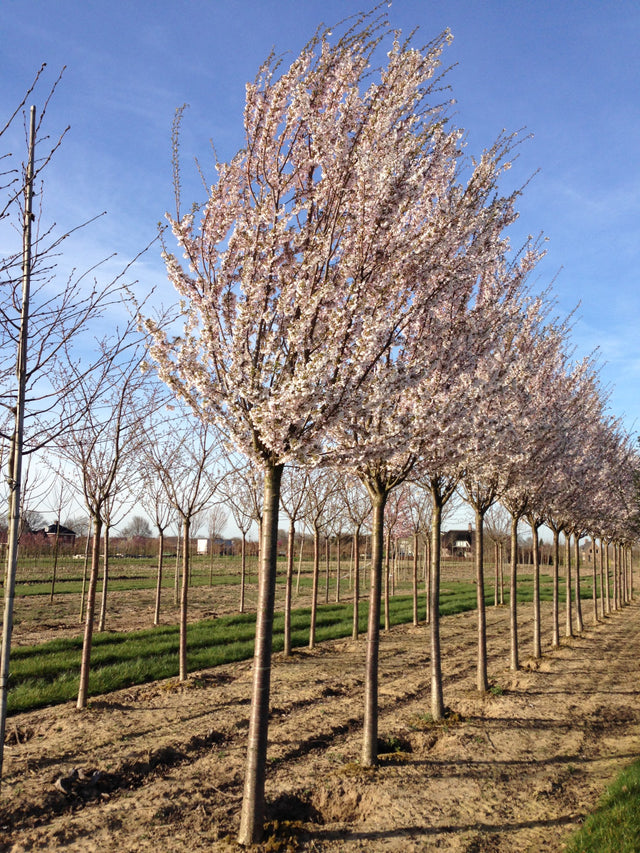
(104, 448)
(217, 518)
(155, 500)
(322, 486)
(40, 318)
(58, 496)
(137, 527)
(242, 491)
(186, 464)
(295, 482)
(358, 506)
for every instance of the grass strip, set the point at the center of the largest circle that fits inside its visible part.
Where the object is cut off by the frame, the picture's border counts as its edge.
(615, 825)
(48, 673)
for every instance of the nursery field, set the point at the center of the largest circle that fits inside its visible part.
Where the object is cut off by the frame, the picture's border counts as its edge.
(159, 766)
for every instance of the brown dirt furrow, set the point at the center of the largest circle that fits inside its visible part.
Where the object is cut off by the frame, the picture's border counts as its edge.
(161, 766)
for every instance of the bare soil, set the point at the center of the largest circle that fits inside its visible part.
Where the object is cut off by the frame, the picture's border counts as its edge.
(160, 767)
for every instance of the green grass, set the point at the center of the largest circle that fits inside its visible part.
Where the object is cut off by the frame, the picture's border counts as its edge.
(615, 825)
(48, 673)
(70, 586)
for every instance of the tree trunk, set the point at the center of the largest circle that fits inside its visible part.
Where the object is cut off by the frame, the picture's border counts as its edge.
(437, 701)
(415, 579)
(243, 569)
(176, 578)
(105, 581)
(482, 682)
(314, 590)
(579, 622)
(85, 664)
(300, 560)
(15, 457)
(555, 627)
(602, 580)
(387, 568)
(287, 588)
(156, 613)
(356, 583)
(55, 562)
(427, 580)
(184, 591)
(252, 816)
(327, 568)
(537, 645)
(84, 574)
(338, 567)
(514, 662)
(594, 577)
(607, 589)
(568, 585)
(370, 725)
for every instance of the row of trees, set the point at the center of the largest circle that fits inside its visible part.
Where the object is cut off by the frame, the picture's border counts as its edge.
(349, 300)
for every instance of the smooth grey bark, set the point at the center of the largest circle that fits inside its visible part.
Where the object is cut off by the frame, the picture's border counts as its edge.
(176, 575)
(287, 588)
(568, 585)
(314, 586)
(594, 580)
(555, 621)
(482, 680)
(370, 725)
(84, 574)
(184, 594)
(156, 611)
(427, 577)
(537, 643)
(56, 545)
(105, 581)
(15, 457)
(437, 700)
(243, 569)
(252, 816)
(85, 664)
(603, 607)
(356, 583)
(414, 578)
(514, 662)
(387, 569)
(327, 568)
(579, 620)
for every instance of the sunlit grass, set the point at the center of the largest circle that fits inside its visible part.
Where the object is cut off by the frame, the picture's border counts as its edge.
(615, 825)
(47, 673)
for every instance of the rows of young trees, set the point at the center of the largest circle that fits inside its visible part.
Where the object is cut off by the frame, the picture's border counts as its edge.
(350, 299)
(351, 311)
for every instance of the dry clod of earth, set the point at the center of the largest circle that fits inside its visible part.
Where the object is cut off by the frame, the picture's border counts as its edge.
(160, 767)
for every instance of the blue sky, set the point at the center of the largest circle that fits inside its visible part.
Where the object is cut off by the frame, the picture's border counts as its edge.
(566, 70)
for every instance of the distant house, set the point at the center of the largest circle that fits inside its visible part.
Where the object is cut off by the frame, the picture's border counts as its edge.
(66, 536)
(218, 545)
(458, 543)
